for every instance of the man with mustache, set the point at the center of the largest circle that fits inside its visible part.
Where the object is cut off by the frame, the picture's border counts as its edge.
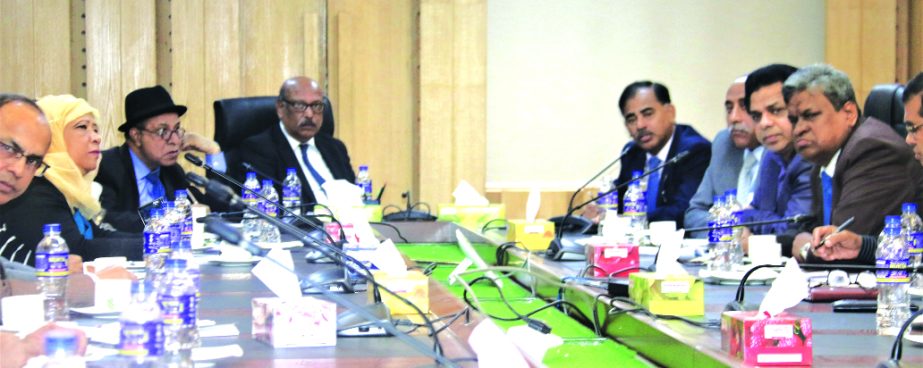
(651, 121)
(848, 244)
(863, 167)
(294, 143)
(736, 154)
(784, 188)
(145, 167)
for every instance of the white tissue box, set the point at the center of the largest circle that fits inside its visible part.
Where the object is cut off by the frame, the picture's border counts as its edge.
(303, 322)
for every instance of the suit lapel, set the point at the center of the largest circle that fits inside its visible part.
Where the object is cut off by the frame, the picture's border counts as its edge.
(130, 181)
(285, 152)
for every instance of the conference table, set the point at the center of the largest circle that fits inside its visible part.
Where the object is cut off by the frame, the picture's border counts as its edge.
(839, 339)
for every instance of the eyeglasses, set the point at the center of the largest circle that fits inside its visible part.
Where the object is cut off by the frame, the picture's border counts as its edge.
(317, 106)
(33, 163)
(912, 129)
(839, 278)
(166, 134)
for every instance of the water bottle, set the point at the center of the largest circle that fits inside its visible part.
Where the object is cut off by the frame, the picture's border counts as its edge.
(735, 253)
(634, 207)
(609, 201)
(178, 307)
(174, 222)
(269, 233)
(291, 192)
(141, 336)
(719, 236)
(912, 230)
(893, 300)
(156, 244)
(364, 182)
(61, 350)
(250, 222)
(192, 267)
(51, 268)
(184, 211)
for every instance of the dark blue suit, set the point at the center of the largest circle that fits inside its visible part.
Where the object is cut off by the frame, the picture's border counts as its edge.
(677, 182)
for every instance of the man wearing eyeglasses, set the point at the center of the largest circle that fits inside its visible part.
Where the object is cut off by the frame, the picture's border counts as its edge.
(145, 167)
(24, 139)
(295, 143)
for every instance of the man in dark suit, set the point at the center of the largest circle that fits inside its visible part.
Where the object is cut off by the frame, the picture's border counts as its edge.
(651, 121)
(294, 143)
(145, 167)
(864, 169)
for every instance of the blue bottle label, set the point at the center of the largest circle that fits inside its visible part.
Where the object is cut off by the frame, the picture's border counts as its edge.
(51, 264)
(714, 235)
(635, 207)
(268, 208)
(141, 340)
(163, 243)
(178, 310)
(915, 242)
(176, 233)
(892, 276)
(366, 187)
(187, 227)
(291, 193)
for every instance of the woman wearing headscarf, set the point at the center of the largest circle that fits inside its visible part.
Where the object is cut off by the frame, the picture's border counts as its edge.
(64, 193)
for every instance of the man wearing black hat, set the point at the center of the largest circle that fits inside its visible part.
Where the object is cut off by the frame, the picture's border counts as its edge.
(144, 168)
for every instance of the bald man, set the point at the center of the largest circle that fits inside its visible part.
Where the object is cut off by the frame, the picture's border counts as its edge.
(294, 143)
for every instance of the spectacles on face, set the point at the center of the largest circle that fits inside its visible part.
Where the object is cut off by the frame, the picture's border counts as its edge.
(911, 128)
(317, 106)
(33, 163)
(167, 134)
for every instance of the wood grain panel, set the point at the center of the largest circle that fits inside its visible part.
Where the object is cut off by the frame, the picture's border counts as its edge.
(437, 103)
(16, 41)
(52, 54)
(843, 30)
(188, 59)
(916, 37)
(879, 46)
(371, 86)
(104, 90)
(470, 91)
(554, 202)
(313, 34)
(138, 50)
(222, 57)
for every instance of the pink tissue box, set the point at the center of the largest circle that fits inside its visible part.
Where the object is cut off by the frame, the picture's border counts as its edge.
(612, 257)
(304, 322)
(781, 340)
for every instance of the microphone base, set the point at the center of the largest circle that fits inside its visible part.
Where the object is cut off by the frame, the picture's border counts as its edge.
(350, 324)
(332, 279)
(564, 249)
(408, 216)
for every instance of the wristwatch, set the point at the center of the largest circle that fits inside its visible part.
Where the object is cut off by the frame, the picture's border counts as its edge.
(804, 251)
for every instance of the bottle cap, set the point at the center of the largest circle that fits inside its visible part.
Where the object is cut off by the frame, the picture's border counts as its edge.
(180, 193)
(168, 205)
(363, 167)
(290, 171)
(892, 221)
(60, 342)
(51, 227)
(909, 207)
(266, 183)
(157, 212)
(251, 175)
(730, 192)
(636, 173)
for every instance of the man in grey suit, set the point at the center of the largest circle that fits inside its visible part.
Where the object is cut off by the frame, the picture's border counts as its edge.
(729, 150)
(864, 169)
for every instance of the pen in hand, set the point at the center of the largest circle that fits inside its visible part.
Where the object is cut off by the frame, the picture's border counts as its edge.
(840, 228)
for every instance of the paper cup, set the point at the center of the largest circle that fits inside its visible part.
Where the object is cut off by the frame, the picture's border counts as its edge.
(764, 249)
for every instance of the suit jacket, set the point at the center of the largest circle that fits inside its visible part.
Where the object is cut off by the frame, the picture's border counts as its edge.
(678, 182)
(783, 190)
(721, 175)
(270, 153)
(875, 173)
(43, 203)
(120, 188)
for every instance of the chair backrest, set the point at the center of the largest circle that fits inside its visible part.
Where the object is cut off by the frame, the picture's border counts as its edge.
(884, 103)
(237, 119)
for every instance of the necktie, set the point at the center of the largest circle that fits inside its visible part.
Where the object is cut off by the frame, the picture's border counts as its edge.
(155, 187)
(83, 225)
(653, 184)
(745, 179)
(304, 156)
(826, 183)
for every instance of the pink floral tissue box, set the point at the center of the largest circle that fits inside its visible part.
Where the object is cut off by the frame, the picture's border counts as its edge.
(781, 340)
(304, 322)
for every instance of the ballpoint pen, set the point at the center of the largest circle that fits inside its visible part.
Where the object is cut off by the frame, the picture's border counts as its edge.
(840, 228)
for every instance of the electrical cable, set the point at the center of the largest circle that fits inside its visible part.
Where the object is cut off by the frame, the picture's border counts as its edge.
(396, 230)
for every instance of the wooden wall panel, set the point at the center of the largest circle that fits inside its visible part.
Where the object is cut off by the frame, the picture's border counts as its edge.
(554, 203)
(372, 87)
(453, 89)
(916, 37)
(35, 44)
(879, 46)
(843, 51)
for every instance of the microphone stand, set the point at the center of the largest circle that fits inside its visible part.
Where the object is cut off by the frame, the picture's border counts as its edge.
(793, 219)
(557, 248)
(215, 225)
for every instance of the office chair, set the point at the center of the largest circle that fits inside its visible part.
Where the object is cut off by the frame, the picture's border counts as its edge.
(237, 119)
(884, 103)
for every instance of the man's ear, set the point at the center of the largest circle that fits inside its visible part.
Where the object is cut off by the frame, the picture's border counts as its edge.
(852, 113)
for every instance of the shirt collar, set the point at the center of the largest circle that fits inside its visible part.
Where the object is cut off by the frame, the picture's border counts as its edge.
(141, 169)
(831, 166)
(665, 151)
(291, 140)
(757, 153)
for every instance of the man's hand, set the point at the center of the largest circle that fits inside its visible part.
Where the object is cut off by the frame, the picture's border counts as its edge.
(195, 142)
(801, 240)
(745, 239)
(842, 245)
(17, 352)
(593, 213)
(74, 264)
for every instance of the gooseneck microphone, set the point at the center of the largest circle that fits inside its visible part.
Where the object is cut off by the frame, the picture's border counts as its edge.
(250, 167)
(799, 218)
(557, 248)
(232, 235)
